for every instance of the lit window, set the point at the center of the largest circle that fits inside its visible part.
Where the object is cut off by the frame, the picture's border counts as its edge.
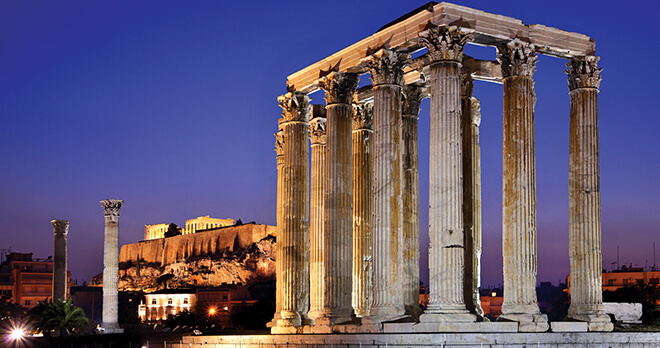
(169, 300)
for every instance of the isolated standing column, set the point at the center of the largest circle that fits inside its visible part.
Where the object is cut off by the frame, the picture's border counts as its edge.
(519, 232)
(317, 214)
(61, 230)
(293, 236)
(386, 69)
(112, 208)
(413, 96)
(584, 196)
(446, 235)
(279, 151)
(362, 201)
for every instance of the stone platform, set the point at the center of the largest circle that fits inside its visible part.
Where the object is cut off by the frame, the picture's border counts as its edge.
(518, 340)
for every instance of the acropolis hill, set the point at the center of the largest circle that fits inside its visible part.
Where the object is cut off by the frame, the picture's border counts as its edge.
(242, 254)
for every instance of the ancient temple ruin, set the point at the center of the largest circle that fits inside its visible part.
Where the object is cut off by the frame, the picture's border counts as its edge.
(347, 243)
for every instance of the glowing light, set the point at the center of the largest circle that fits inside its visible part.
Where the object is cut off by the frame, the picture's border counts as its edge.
(17, 334)
(211, 311)
(226, 308)
(493, 294)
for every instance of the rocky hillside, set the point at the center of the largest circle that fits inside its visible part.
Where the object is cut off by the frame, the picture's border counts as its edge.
(245, 264)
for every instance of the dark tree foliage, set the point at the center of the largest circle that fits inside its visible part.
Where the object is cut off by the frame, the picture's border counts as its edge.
(252, 317)
(57, 315)
(165, 280)
(646, 294)
(172, 230)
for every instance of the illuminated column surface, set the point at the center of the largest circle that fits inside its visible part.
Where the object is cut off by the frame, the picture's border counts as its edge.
(471, 195)
(362, 200)
(413, 96)
(316, 219)
(446, 236)
(584, 196)
(386, 69)
(110, 322)
(293, 234)
(338, 234)
(61, 230)
(279, 150)
(518, 62)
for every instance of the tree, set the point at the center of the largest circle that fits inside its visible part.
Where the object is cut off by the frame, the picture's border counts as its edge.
(172, 230)
(165, 280)
(57, 315)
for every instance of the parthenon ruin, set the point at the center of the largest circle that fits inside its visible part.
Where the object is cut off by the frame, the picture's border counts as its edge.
(347, 253)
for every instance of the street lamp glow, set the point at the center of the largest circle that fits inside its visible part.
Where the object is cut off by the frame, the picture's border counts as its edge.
(17, 334)
(211, 311)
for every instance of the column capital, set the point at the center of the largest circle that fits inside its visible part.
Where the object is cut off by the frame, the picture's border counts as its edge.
(339, 87)
(112, 207)
(583, 72)
(413, 94)
(317, 130)
(60, 227)
(517, 58)
(467, 85)
(295, 106)
(475, 111)
(445, 43)
(279, 143)
(386, 66)
(363, 115)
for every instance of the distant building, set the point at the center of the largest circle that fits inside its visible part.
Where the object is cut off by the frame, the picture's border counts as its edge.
(26, 280)
(201, 223)
(168, 302)
(626, 276)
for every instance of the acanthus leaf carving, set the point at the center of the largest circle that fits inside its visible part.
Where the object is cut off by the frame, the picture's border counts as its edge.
(583, 72)
(339, 87)
(445, 43)
(517, 58)
(363, 115)
(317, 127)
(295, 106)
(279, 143)
(386, 66)
(112, 207)
(60, 226)
(413, 94)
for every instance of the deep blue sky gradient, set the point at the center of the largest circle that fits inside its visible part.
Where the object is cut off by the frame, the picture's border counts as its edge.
(171, 106)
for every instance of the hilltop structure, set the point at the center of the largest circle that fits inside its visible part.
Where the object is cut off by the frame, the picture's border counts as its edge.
(367, 242)
(201, 223)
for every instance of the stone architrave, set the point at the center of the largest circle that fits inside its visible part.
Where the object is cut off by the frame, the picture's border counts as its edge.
(293, 233)
(471, 119)
(112, 208)
(518, 60)
(279, 150)
(413, 95)
(61, 230)
(362, 212)
(386, 69)
(338, 234)
(317, 218)
(446, 236)
(584, 196)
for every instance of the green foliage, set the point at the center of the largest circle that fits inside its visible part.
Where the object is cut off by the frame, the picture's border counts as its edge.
(57, 315)
(646, 294)
(165, 280)
(172, 230)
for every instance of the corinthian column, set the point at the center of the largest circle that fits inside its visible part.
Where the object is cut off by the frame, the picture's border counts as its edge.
(279, 150)
(61, 229)
(362, 200)
(293, 234)
(519, 188)
(584, 196)
(446, 249)
(471, 195)
(338, 236)
(317, 217)
(386, 69)
(111, 208)
(412, 96)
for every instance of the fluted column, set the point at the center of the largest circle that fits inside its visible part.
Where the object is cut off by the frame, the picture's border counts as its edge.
(317, 217)
(112, 208)
(519, 187)
(386, 69)
(471, 195)
(293, 235)
(61, 230)
(446, 249)
(362, 201)
(412, 96)
(279, 150)
(584, 196)
(338, 236)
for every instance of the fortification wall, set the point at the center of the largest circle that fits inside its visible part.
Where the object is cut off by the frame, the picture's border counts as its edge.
(168, 250)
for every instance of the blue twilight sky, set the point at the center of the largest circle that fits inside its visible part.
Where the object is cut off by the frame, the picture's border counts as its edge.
(171, 106)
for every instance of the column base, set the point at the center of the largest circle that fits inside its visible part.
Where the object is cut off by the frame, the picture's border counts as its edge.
(414, 311)
(314, 314)
(335, 316)
(273, 322)
(527, 322)
(597, 321)
(386, 313)
(448, 317)
(288, 319)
